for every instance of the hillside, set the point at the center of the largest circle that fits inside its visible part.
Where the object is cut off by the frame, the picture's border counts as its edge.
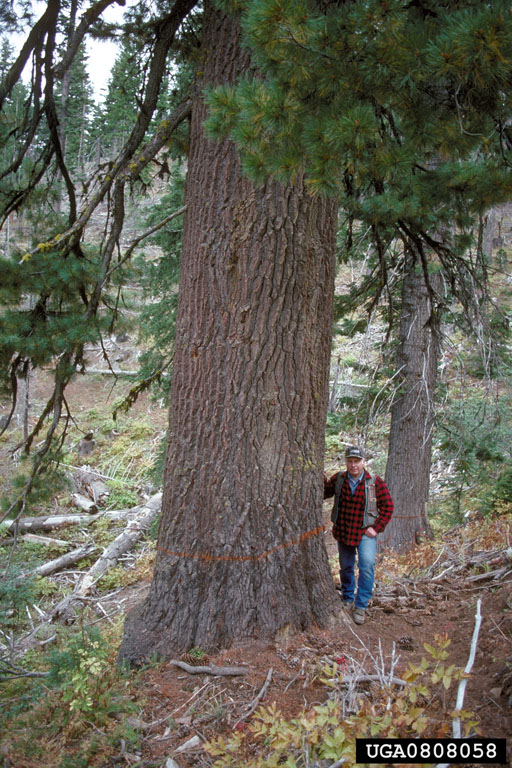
(86, 713)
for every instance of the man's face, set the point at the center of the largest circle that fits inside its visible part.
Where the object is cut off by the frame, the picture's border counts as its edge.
(354, 466)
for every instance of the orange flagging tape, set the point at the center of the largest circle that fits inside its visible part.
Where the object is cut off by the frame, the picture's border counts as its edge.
(244, 558)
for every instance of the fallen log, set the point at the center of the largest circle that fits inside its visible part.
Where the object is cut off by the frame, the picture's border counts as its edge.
(134, 531)
(59, 521)
(82, 502)
(35, 539)
(64, 561)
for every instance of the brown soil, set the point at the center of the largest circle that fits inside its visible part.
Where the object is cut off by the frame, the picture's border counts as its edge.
(415, 613)
(403, 615)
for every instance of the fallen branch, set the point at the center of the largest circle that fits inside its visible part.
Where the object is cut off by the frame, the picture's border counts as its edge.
(376, 679)
(110, 372)
(70, 558)
(469, 666)
(58, 521)
(254, 703)
(134, 531)
(498, 574)
(9, 671)
(35, 539)
(209, 670)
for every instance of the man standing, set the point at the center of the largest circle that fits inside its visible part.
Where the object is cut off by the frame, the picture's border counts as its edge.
(362, 508)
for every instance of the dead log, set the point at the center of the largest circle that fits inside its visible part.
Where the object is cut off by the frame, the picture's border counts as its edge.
(35, 539)
(58, 521)
(110, 372)
(90, 483)
(135, 530)
(82, 502)
(70, 558)
(497, 574)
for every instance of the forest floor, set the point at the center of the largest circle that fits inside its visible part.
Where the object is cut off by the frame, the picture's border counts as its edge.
(405, 613)
(432, 591)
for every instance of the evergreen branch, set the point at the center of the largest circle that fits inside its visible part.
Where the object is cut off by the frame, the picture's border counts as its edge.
(288, 37)
(53, 122)
(129, 170)
(14, 389)
(30, 124)
(139, 389)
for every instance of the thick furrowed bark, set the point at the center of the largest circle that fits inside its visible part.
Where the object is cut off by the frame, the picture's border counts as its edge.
(241, 550)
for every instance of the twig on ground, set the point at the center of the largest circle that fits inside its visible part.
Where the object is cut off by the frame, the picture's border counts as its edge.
(469, 666)
(209, 670)
(254, 703)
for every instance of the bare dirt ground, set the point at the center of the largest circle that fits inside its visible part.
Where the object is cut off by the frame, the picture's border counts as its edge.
(404, 614)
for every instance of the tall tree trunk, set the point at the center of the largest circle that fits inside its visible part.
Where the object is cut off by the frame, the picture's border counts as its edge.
(412, 414)
(241, 549)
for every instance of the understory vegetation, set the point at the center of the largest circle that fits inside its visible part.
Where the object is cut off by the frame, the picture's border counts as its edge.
(61, 688)
(92, 198)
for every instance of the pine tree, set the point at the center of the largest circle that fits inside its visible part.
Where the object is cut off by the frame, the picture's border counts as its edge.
(241, 549)
(76, 117)
(116, 116)
(401, 112)
(67, 279)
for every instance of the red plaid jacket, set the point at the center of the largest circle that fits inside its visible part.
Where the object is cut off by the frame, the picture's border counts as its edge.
(348, 527)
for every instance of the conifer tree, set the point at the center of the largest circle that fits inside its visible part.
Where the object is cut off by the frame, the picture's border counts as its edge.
(67, 278)
(240, 549)
(116, 116)
(401, 111)
(75, 123)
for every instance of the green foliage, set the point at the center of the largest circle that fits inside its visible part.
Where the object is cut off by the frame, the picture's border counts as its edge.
(81, 705)
(344, 91)
(15, 594)
(499, 496)
(76, 112)
(116, 116)
(326, 732)
(400, 113)
(43, 487)
(159, 278)
(86, 680)
(43, 329)
(121, 496)
(333, 430)
(475, 435)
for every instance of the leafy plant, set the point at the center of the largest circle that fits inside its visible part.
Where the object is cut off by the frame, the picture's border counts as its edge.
(15, 594)
(86, 680)
(326, 733)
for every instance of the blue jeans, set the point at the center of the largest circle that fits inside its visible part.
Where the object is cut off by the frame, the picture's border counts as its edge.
(366, 552)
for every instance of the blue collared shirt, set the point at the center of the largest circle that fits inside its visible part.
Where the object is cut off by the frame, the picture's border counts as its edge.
(354, 482)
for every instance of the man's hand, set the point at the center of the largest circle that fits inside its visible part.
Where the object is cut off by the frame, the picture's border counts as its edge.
(371, 532)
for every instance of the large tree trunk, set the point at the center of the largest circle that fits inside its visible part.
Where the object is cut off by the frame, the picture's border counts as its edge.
(241, 549)
(412, 414)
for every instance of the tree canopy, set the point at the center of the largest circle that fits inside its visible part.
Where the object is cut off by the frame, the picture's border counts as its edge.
(399, 109)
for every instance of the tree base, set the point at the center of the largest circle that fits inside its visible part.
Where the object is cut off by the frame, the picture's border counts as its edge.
(141, 645)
